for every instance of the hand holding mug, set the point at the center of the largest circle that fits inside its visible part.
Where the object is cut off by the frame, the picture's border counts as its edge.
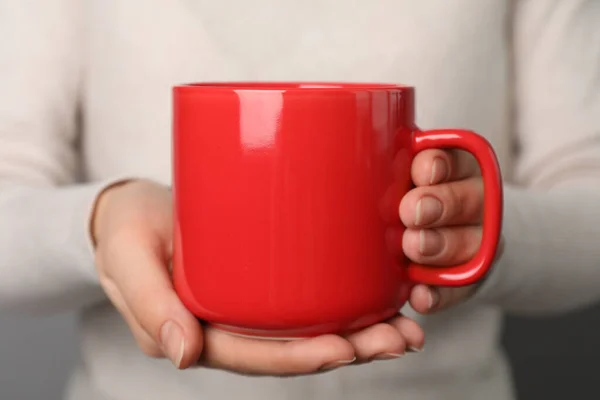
(443, 215)
(133, 228)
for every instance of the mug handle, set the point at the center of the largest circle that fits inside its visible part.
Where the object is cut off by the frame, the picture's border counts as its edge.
(474, 270)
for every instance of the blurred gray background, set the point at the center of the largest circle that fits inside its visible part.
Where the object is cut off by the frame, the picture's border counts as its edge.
(553, 358)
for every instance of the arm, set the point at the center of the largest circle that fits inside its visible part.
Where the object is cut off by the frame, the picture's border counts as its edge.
(46, 260)
(551, 261)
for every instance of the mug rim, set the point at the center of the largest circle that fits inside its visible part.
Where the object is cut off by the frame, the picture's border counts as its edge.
(291, 86)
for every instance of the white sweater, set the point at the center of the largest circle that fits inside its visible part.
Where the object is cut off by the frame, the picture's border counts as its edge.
(85, 99)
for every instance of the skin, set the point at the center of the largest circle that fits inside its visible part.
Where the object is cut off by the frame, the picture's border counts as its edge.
(132, 227)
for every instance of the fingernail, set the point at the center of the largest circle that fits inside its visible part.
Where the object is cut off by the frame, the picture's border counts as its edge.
(438, 171)
(429, 209)
(431, 242)
(173, 342)
(413, 349)
(434, 298)
(388, 356)
(337, 364)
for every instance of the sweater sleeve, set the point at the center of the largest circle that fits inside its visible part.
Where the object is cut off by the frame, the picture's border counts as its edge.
(551, 261)
(46, 260)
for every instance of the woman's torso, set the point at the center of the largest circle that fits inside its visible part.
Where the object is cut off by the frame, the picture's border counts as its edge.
(455, 53)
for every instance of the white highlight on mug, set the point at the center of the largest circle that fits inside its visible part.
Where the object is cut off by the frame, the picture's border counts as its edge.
(260, 116)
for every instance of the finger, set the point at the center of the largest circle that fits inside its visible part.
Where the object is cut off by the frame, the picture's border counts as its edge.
(422, 299)
(453, 203)
(138, 268)
(378, 342)
(431, 167)
(442, 246)
(426, 299)
(411, 332)
(273, 357)
(144, 341)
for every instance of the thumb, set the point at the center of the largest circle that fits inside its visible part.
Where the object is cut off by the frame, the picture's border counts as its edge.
(141, 275)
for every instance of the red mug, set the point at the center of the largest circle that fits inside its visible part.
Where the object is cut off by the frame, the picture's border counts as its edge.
(286, 203)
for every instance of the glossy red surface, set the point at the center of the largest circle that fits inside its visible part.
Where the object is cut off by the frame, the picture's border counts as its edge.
(286, 204)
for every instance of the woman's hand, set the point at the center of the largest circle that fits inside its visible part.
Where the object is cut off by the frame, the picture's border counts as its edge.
(443, 217)
(132, 228)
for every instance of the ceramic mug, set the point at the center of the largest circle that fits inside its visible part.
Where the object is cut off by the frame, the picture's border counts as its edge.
(286, 204)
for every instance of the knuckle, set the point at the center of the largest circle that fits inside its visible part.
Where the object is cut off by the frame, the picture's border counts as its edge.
(452, 201)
